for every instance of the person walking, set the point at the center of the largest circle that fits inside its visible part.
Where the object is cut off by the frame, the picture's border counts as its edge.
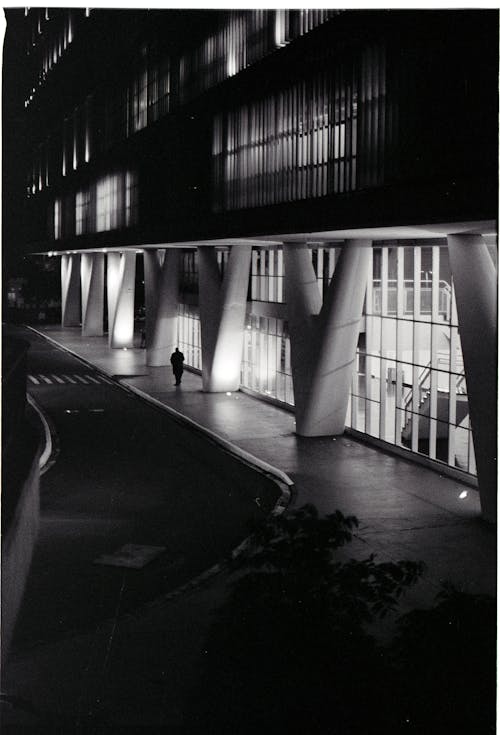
(177, 360)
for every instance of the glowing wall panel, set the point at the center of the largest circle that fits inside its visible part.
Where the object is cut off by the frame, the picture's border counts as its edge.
(70, 290)
(92, 280)
(121, 294)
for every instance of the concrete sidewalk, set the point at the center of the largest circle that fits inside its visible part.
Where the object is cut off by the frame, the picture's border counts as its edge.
(406, 511)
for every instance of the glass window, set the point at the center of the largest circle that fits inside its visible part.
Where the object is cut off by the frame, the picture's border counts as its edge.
(410, 386)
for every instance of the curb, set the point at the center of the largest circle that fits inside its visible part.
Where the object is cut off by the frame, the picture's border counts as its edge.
(242, 454)
(281, 478)
(284, 482)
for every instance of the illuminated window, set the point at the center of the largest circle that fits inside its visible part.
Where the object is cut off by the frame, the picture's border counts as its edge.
(87, 129)
(75, 141)
(266, 364)
(130, 199)
(298, 143)
(280, 27)
(116, 201)
(189, 334)
(410, 388)
(241, 39)
(140, 100)
(57, 219)
(267, 276)
(82, 212)
(64, 147)
(107, 203)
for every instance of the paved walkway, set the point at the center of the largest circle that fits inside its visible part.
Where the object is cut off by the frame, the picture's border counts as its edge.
(405, 510)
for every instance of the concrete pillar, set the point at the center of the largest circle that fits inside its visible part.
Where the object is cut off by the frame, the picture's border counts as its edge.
(112, 281)
(162, 298)
(303, 306)
(92, 277)
(222, 316)
(70, 291)
(475, 282)
(323, 342)
(152, 268)
(121, 296)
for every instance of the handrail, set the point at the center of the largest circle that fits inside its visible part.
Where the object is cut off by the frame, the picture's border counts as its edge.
(426, 371)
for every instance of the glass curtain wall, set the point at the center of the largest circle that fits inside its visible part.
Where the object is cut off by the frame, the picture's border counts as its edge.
(266, 366)
(241, 39)
(189, 334)
(266, 280)
(410, 388)
(296, 144)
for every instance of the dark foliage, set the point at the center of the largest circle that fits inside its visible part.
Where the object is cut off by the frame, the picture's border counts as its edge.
(444, 660)
(289, 652)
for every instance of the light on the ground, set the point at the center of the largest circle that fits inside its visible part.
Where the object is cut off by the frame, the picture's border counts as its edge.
(228, 393)
(125, 349)
(463, 494)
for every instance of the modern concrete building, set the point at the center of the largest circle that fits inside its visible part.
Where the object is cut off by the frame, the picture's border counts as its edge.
(309, 196)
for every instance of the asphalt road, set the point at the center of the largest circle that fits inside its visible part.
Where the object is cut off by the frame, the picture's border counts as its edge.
(126, 473)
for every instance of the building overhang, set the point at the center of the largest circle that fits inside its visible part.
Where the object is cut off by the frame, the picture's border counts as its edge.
(487, 228)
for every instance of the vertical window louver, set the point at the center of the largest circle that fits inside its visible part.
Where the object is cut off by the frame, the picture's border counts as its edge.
(298, 143)
(376, 117)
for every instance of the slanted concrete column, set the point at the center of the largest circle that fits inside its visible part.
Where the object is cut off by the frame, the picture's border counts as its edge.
(162, 297)
(152, 266)
(222, 315)
(303, 306)
(323, 342)
(475, 283)
(70, 290)
(92, 277)
(112, 278)
(121, 296)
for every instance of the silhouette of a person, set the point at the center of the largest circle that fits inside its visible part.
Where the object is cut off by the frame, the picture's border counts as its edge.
(177, 360)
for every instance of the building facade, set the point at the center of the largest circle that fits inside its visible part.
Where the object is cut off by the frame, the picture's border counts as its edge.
(310, 195)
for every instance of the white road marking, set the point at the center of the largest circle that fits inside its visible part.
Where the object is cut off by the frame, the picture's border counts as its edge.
(91, 378)
(79, 377)
(82, 380)
(34, 380)
(69, 379)
(45, 379)
(57, 378)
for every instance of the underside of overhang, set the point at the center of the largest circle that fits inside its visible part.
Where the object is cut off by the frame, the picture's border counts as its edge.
(487, 228)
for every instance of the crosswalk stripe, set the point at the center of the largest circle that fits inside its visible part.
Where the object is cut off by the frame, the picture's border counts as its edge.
(34, 380)
(105, 380)
(57, 378)
(69, 379)
(45, 379)
(82, 380)
(91, 378)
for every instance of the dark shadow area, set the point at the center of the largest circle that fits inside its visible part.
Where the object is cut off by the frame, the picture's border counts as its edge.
(290, 652)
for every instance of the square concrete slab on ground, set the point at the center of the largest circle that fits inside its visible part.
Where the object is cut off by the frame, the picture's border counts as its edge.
(133, 556)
